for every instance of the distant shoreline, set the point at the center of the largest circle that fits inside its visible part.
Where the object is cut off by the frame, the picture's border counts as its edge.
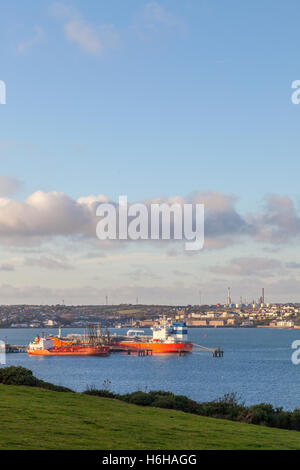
(189, 326)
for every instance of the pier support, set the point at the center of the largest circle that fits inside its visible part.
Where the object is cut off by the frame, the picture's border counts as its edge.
(218, 352)
(144, 352)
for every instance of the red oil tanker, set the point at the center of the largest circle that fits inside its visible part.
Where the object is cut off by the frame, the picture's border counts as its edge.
(54, 347)
(167, 338)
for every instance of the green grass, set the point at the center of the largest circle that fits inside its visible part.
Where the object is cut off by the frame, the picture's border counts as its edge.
(33, 418)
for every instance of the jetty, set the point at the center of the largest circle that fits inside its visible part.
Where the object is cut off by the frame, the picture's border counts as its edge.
(216, 352)
(13, 348)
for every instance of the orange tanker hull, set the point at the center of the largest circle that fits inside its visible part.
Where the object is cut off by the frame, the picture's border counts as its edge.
(157, 348)
(70, 351)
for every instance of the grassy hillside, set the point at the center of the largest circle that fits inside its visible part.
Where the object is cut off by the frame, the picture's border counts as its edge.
(33, 418)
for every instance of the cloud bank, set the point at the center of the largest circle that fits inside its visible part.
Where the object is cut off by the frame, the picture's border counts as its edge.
(47, 215)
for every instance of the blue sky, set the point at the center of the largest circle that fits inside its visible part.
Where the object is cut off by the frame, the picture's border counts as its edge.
(151, 99)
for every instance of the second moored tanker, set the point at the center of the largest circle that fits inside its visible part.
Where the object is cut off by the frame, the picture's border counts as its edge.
(167, 338)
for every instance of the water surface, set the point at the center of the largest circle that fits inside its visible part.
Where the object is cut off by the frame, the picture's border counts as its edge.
(256, 365)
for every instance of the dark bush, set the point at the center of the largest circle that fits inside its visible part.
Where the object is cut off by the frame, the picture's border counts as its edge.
(163, 401)
(162, 393)
(20, 376)
(232, 399)
(260, 414)
(227, 407)
(185, 404)
(219, 409)
(99, 393)
(138, 398)
(17, 376)
(295, 420)
(282, 419)
(158, 394)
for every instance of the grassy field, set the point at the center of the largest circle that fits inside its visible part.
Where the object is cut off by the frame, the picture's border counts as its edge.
(32, 418)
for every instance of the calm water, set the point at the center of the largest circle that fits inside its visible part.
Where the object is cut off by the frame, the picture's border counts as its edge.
(256, 364)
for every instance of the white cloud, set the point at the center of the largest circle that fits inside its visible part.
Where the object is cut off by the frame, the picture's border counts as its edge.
(36, 39)
(82, 33)
(92, 39)
(46, 216)
(279, 220)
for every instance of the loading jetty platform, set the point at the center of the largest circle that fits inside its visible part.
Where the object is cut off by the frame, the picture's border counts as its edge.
(216, 352)
(12, 348)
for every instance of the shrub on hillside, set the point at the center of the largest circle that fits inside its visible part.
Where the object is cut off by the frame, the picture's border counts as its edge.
(260, 414)
(17, 376)
(99, 393)
(177, 402)
(282, 419)
(232, 398)
(228, 407)
(295, 420)
(138, 398)
(219, 409)
(163, 401)
(185, 404)
(21, 376)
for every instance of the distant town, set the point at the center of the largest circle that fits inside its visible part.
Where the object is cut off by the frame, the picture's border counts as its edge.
(254, 315)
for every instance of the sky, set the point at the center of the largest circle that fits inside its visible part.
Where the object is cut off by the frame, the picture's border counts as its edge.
(158, 100)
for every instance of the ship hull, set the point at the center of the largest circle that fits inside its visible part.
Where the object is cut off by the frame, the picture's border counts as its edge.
(157, 348)
(70, 351)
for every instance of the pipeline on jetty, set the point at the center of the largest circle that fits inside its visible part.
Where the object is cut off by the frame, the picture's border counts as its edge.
(215, 352)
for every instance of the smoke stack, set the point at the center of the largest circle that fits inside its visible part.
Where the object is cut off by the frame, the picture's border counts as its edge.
(228, 296)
